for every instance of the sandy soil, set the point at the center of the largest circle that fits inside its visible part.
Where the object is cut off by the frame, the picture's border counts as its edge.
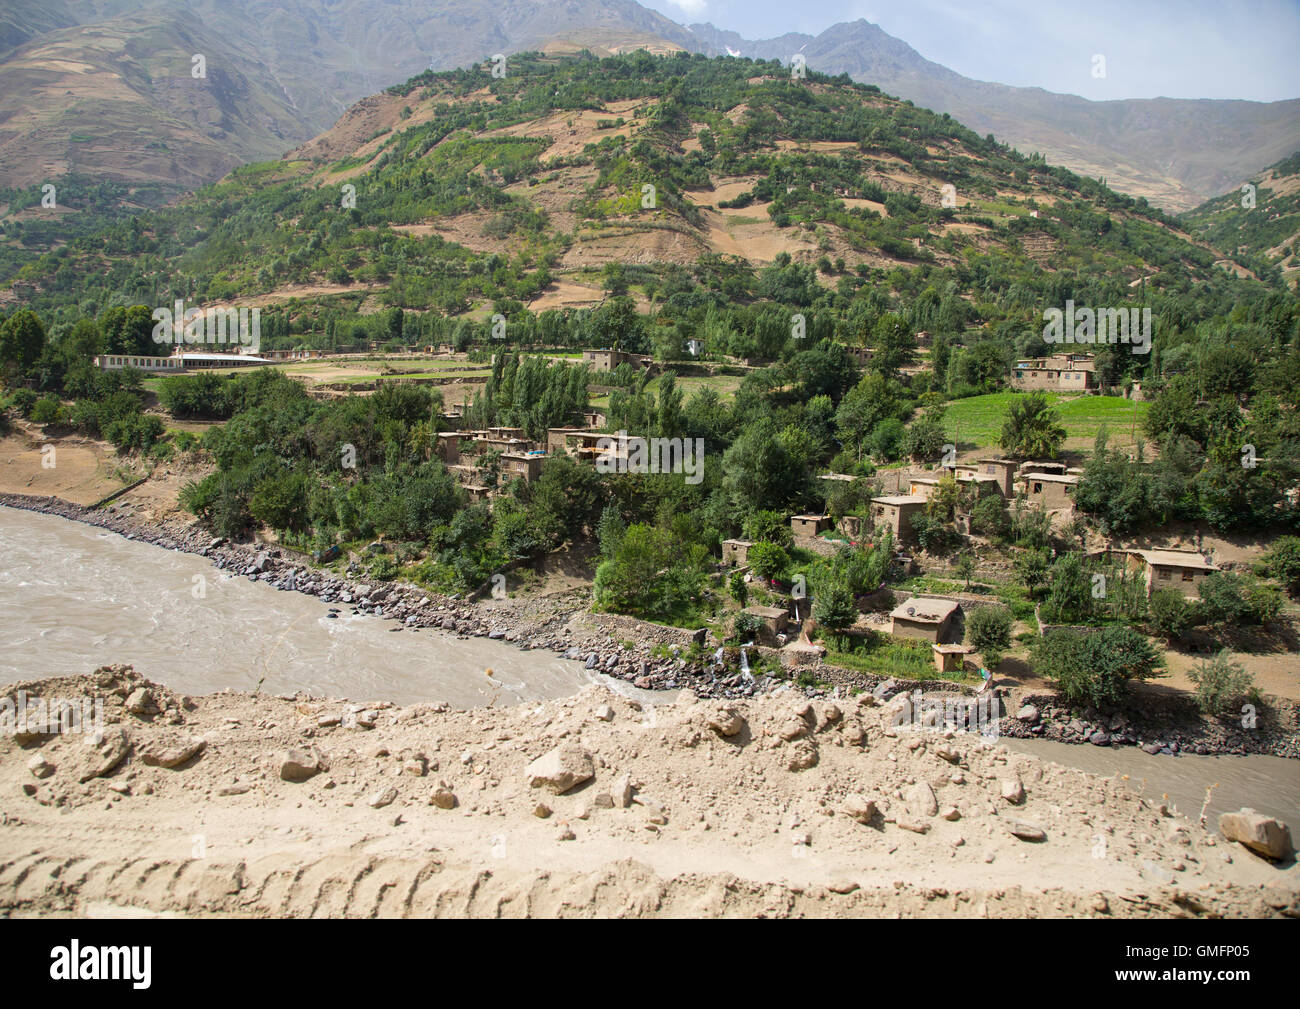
(82, 470)
(434, 812)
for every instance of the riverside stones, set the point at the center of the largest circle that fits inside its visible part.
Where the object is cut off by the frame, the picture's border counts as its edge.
(1264, 835)
(1026, 831)
(109, 748)
(1013, 791)
(921, 800)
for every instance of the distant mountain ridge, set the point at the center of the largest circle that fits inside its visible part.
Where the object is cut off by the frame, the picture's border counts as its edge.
(1175, 152)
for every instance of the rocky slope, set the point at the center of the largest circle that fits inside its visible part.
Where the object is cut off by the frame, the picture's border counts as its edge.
(246, 805)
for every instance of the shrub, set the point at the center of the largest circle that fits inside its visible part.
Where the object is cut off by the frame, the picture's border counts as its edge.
(769, 561)
(24, 400)
(745, 627)
(1095, 668)
(988, 631)
(47, 410)
(769, 527)
(738, 587)
(1170, 614)
(1283, 563)
(1222, 600)
(1220, 683)
(989, 518)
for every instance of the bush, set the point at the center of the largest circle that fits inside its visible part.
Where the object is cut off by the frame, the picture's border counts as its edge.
(1283, 563)
(988, 631)
(1095, 668)
(1223, 601)
(887, 440)
(47, 410)
(770, 527)
(24, 400)
(769, 561)
(1220, 684)
(989, 518)
(1170, 614)
(745, 627)
(738, 587)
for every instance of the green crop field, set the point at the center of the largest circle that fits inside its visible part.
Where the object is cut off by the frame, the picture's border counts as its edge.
(977, 422)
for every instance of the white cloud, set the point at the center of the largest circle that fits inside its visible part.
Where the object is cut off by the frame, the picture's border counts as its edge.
(693, 9)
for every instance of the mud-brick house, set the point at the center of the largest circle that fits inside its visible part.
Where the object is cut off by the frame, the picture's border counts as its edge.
(773, 619)
(851, 526)
(447, 447)
(1003, 472)
(1183, 570)
(809, 525)
(1050, 490)
(950, 658)
(895, 511)
(735, 553)
(926, 619)
(526, 466)
(608, 360)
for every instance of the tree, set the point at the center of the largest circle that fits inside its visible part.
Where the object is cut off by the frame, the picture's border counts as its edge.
(738, 587)
(768, 561)
(1169, 613)
(1095, 668)
(894, 345)
(22, 339)
(652, 576)
(1283, 563)
(965, 568)
(1032, 429)
(1220, 683)
(988, 631)
(834, 608)
(1031, 567)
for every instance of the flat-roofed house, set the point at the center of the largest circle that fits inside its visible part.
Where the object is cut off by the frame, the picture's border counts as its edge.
(809, 525)
(1057, 373)
(526, 466)
(1003, 472)
(608, 360)
(1051, 490)
(895, 511)
(925, 619)
(736, 552)
(447, 446)
(773, 619)
(1183, 570)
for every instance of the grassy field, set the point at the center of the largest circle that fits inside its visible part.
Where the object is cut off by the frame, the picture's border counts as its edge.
(977, 422)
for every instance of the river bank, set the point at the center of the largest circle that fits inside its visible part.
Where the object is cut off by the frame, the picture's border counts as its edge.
(596, 805)
(654, 657)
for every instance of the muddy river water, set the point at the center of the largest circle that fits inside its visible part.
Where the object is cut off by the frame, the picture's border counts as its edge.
(73, 597)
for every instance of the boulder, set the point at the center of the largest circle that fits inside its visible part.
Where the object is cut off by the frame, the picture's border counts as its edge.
(300, 764)
(563, 768)
(107, 751)
(859, 808)
(1013, 791)
(140, 702)
(170, 750)
(382, 798)
(1264, 835)
(443, 798)
(1026, 831)
(1027, 713)
(40, 767)
(921, 800)
(726, 721)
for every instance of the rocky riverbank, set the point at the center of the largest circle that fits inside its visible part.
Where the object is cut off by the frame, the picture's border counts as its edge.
(655, 657)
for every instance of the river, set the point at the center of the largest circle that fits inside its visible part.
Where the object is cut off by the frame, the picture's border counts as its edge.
(73, 597)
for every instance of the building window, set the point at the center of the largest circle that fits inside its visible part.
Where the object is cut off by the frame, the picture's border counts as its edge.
(1036, 489)
(1187, 576)
(1162, 573)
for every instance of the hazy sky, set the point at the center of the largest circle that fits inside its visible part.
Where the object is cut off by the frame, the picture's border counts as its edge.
(1175, 48)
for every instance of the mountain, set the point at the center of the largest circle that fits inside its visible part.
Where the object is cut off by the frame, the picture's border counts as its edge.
(1265, 234)
(104, 89)
(101, 91)
(1174, 152)
(457, 195)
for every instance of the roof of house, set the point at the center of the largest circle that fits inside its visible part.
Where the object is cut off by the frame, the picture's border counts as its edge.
(899, 499)
(1176, 559)
(1051, 477)
(767, 612)
(809, 518)
(924, 610)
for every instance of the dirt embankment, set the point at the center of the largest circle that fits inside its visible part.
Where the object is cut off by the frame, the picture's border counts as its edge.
(237, 804)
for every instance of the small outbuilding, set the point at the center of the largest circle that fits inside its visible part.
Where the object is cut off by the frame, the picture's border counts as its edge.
(925, 619)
